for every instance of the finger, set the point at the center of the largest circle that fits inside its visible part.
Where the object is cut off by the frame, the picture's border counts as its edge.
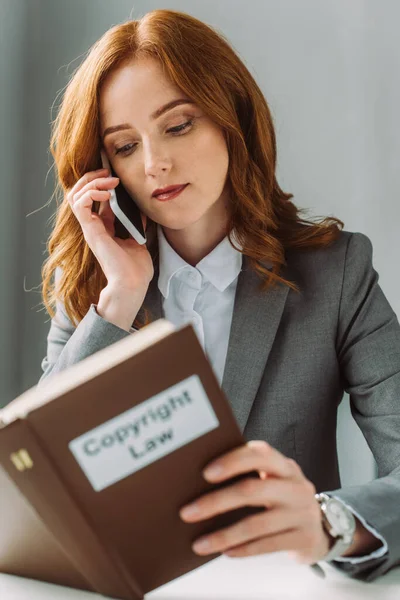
(107, 215)
(104, 212)
(251, 528)
(104, 208)
(85, 179)
(247, 492)
(100, 183)
(255, 455)
(82, 209)
(294, 540)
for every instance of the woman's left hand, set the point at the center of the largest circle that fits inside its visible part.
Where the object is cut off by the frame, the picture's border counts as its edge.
(292, 521)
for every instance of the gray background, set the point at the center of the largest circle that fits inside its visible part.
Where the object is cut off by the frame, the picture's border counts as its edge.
(330, 72)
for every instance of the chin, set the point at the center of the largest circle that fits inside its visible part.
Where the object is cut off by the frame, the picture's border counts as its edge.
(178, 222)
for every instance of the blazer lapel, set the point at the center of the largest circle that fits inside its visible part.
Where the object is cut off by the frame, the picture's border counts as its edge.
(256, 316)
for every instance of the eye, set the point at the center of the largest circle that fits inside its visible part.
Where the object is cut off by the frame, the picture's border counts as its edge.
(179, 128)
(124, 149)
(174, 130)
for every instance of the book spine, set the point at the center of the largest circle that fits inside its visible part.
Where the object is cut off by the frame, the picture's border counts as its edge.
(25, 462)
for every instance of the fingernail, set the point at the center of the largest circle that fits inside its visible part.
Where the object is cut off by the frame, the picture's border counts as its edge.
(189, 511)
(201, 545)
(213, 471)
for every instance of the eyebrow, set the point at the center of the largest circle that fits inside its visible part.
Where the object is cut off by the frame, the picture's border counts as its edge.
(155, 115)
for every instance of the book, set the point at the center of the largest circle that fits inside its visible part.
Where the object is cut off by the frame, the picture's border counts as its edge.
(96, 462)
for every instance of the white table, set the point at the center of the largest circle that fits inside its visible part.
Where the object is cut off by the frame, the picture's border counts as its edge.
(266, 577)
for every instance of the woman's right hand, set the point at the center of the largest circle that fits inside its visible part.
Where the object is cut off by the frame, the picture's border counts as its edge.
(126, 264)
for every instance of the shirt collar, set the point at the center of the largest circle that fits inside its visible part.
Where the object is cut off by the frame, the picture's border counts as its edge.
(221, 266)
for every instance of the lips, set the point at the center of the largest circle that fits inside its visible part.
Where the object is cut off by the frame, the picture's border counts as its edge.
(169, 190)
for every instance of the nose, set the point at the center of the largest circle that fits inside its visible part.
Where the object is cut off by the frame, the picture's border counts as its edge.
(156, 159)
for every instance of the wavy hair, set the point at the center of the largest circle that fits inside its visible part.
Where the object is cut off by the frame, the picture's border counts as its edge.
(201, 62)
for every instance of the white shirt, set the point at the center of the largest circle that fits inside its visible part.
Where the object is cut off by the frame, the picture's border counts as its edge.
(204, 296)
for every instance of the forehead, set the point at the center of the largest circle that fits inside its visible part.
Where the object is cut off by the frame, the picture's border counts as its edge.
(135, 89)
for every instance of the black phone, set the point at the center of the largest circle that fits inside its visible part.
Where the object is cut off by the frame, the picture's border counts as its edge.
(128, 218)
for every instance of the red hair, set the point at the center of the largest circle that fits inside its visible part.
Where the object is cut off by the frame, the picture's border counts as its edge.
(200, 61)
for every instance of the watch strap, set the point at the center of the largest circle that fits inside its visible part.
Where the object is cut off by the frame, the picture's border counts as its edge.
(339, 545)
(338, 548)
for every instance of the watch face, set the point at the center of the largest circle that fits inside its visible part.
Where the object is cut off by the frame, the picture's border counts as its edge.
(339, 517)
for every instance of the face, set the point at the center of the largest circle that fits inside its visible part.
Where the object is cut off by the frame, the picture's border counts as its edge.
(181, 146)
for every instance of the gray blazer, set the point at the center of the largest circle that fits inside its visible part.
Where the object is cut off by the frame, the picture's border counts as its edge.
(291, 356)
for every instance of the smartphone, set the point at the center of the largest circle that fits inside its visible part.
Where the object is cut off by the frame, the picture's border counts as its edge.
(128, 218)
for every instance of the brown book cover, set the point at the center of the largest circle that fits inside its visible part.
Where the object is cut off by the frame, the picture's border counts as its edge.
(97, 461)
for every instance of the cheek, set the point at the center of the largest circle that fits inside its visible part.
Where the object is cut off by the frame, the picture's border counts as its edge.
(216, 168)
(208, 158)
(138, 196)
(133, 182)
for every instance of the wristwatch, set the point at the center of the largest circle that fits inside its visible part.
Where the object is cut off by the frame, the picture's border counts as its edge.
(339, 522)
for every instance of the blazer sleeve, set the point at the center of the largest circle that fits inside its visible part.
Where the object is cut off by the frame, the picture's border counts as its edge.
(67, 344)
(368, 349)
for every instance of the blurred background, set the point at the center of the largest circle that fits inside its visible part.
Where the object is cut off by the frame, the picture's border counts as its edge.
(330, 73)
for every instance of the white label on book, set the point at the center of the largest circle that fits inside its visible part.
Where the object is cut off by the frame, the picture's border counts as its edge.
(144, 433)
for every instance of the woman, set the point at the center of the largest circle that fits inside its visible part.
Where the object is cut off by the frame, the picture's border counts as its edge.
(288, 311)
